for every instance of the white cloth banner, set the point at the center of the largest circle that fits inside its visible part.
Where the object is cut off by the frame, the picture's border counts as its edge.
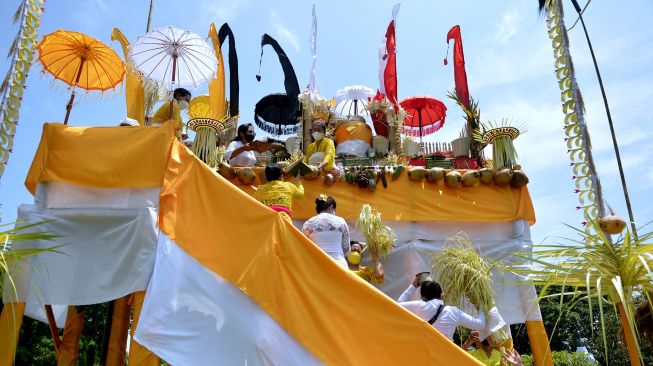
(191, 316)
(66, 195)
(416, 242)
(103, 254)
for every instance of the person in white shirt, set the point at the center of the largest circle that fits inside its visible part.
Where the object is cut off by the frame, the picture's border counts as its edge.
(431, 308)
(328, 231)
(240, 151)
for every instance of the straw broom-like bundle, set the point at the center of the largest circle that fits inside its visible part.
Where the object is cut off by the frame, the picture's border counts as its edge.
(377, 235)
(465, 275)
(204, 145)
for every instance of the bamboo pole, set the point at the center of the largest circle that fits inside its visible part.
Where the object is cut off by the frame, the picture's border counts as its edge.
(612, 133)
(69, 106)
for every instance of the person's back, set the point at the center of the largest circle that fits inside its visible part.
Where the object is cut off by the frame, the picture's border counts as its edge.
(431, 308)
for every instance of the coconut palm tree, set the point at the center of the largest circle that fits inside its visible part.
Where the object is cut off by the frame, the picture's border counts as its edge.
(593, 268)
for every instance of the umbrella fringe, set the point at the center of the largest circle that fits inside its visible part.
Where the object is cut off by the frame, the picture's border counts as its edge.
(274, 129)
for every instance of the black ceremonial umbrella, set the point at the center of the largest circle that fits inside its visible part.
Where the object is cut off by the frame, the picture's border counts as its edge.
(279, 113)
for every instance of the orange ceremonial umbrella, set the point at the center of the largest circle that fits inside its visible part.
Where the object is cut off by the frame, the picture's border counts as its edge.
(80, 61)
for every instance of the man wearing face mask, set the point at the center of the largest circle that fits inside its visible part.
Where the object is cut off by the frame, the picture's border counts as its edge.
(321, 152)
(181, 98)
(372, 275)
(240, 151)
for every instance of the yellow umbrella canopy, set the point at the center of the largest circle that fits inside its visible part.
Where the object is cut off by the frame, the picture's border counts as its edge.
(80, 61)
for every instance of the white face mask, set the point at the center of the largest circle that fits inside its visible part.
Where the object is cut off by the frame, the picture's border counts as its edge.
(183, 105)
(318, 135)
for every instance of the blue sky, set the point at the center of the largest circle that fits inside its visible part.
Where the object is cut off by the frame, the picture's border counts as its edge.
(509, 66)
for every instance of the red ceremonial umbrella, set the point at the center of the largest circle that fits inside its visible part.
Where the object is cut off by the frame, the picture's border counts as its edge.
(424, 115)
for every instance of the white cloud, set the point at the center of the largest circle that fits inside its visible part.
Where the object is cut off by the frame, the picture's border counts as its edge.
(285, 35)
(508, 27)
(222, 11)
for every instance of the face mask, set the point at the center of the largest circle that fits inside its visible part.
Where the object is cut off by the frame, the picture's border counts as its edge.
(354, 257)
(250, 137)
(317, 135)
(183, 105)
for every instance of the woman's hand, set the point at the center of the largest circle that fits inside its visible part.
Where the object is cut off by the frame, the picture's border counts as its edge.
(512, 357)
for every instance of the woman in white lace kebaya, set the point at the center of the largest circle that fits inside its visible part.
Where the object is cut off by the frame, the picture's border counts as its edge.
(328, 231)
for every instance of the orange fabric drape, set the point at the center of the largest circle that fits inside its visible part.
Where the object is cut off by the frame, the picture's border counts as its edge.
(217, 87)
(631, 345)
(69, 350)
(134, 94)
(539, 343)
(11, 319)
(118, 334)
(139, 355)
(274, 250)
(103, 157)
(406, 200)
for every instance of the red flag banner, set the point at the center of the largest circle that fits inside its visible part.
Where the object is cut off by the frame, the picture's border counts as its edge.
(462, 90)
(388, 61)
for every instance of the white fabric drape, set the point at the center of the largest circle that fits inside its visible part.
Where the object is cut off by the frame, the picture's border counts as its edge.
(191, 316)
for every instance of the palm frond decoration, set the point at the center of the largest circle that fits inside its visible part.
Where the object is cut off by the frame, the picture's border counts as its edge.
(9, 255)
(466, 276)
(500, 135)
(377, 235)
(593, 268)
(473, 118)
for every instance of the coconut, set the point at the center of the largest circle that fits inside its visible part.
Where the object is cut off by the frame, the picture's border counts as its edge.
(435, 174)
(246, 176)
(471, 178)
(487, 175)
(226, 171)
(262, 177)
(612, 224)
(329, 179)
(417, 174)
(453, 179)
(519, 178)
(502, 177)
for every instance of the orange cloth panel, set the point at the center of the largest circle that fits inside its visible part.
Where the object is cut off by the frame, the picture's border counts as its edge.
(539, 343)
(69, 350)
(289, 277)
(118, 333)
(11, 319)
(139, 355)
(406, 200)
(104, 157)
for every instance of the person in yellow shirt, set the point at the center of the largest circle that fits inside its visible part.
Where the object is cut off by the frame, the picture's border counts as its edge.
(372, 275)
(322, 151)
(181, 97)
(277, 194)
(484, 352)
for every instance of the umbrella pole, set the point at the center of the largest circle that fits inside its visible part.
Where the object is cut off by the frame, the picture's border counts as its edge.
(355, 107)
(419, 115)
(174, 71)
(69, 106)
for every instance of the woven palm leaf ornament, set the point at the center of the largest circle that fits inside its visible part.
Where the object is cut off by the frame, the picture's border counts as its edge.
(208, 131)
(579, 146)
(501, 136)
(21, 53)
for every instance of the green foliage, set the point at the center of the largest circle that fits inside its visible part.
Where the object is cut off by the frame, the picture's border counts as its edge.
(567, 329)
(562, 358)
(35, 345)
